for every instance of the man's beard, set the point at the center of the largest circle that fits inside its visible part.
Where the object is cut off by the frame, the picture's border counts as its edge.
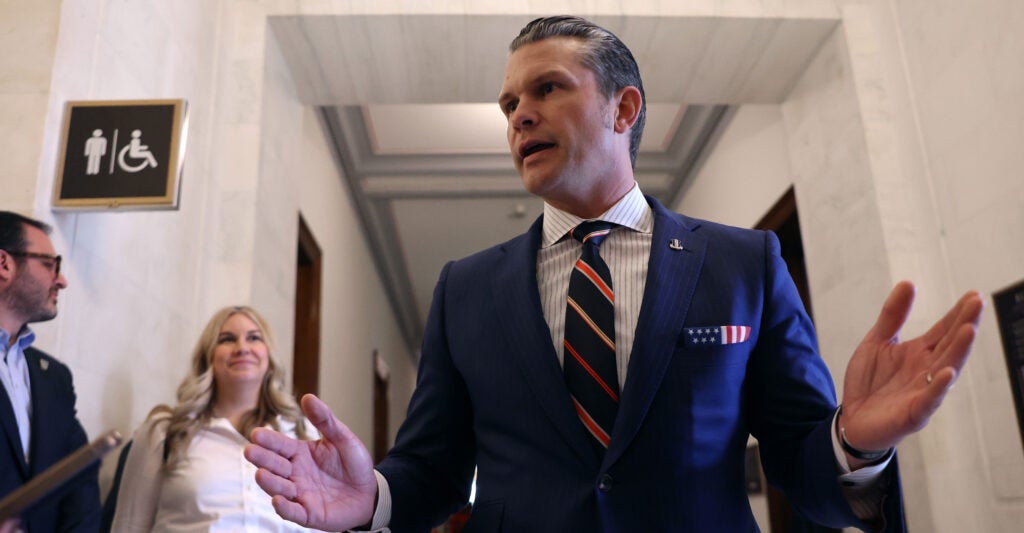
(28, 298)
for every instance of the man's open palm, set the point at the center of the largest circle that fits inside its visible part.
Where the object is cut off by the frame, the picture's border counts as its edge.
(892, 388)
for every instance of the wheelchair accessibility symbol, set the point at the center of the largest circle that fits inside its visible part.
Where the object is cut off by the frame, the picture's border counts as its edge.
(136, 150)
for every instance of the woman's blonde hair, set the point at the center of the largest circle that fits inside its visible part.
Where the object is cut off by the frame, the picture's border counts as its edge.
(197, 393)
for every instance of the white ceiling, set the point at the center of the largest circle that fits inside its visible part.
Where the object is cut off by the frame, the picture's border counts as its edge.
(408, 102)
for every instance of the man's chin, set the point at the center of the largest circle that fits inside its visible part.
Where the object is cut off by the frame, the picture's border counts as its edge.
(44, 315)
(536, 183)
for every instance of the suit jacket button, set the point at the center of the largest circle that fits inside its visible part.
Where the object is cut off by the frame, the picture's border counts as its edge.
(605, 483)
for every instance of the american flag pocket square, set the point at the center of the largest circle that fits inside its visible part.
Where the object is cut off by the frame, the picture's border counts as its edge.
(716, 335)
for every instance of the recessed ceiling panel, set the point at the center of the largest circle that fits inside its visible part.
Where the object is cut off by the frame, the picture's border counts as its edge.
(436, 128)
(399, 59)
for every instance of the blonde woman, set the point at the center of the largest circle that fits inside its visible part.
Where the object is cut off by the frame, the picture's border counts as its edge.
(185, 470)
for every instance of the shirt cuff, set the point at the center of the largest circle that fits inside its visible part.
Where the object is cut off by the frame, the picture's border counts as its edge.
(382, 514)
(864, 489)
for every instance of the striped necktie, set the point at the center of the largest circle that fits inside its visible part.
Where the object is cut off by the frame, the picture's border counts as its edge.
(589, 354)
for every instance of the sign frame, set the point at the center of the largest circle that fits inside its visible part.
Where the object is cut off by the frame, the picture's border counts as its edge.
(1009, 309)
(118, 200)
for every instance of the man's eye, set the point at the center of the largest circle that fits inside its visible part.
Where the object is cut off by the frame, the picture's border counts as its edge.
(547, 88)
(510, 107)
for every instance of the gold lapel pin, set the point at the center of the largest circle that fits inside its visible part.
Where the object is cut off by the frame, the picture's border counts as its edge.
(44, 364)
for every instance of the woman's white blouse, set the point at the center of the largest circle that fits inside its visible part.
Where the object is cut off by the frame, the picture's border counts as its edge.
(212, 489)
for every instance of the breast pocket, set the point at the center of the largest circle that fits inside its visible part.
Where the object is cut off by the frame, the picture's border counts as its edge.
(715, 345)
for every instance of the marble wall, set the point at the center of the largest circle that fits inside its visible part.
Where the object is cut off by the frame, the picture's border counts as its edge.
(749, 166)
(965, 76)
(28, 37)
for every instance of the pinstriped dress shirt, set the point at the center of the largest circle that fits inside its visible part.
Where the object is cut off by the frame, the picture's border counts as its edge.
(626, 251)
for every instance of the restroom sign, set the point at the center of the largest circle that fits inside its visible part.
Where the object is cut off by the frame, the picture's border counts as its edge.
(121, 154)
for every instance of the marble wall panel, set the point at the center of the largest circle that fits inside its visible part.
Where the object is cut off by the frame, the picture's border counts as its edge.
(749, 167)
(28, 36)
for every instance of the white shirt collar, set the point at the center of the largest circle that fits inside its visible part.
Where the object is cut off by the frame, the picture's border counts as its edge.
(631, 211)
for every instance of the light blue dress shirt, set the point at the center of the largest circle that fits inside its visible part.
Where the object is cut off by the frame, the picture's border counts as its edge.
(14, 376)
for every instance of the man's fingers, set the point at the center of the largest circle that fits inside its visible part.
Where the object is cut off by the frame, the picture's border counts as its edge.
(275, 485)
(326, 423)
(278, 443)
(955, 353)
(894, 313)
(315, 409)
(966, 311)
(290, 510)
(932, 396)
(267, 459)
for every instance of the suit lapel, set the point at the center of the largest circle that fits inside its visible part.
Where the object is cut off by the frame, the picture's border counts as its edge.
(525, 332)
(10, 427)
(41, 390)
(671, 280)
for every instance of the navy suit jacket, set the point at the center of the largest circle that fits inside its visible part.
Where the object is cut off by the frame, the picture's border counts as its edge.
(490, 393)
(55, 433)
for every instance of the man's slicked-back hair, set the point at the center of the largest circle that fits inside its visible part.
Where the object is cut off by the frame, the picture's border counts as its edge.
(12, 230)
(604, 54)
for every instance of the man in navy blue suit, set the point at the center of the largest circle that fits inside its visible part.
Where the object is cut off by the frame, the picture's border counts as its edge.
(711, 344)
(38, 426)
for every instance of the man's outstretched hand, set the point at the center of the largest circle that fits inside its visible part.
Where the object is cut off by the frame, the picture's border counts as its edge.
(892, 388)
(326, 484)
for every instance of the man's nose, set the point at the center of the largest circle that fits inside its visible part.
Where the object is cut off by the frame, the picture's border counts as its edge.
(62, 282)
(524, 115)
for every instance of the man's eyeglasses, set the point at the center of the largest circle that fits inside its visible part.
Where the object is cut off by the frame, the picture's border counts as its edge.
(51, 262)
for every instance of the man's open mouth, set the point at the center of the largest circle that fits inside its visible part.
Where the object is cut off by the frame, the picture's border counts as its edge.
(533, 148)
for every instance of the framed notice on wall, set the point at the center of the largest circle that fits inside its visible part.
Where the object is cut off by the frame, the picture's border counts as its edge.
(1009, 304)
(121, 154)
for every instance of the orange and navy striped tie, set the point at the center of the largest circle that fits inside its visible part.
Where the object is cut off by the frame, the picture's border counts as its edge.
(589, 344)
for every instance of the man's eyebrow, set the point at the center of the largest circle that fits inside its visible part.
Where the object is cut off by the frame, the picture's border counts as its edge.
(533, 79)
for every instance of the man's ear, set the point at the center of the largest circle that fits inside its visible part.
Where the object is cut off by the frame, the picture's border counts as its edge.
(7, 267)
(627, 110)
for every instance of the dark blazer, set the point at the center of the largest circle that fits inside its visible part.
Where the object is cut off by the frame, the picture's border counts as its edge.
(490, 394)
(55, 433)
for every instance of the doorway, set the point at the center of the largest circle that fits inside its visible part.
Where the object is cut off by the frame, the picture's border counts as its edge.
(306, 364)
